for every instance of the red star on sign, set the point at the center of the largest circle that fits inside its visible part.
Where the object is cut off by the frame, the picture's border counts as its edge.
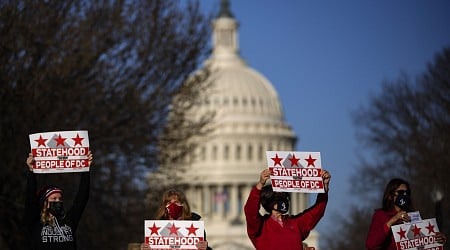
(310, 161)
(78, 140)
(154, 229)
(430, 228)
(294, 161)
(41, 141)
(416, 230)
(402, 233)
(277, 160)
(192, 229)
(60, 140)
(173, 229)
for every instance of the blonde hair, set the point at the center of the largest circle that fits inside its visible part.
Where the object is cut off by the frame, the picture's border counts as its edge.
(170, 194)
(46, 217)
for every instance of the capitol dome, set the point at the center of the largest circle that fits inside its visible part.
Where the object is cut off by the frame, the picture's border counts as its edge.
(241, 90)
(248, 121)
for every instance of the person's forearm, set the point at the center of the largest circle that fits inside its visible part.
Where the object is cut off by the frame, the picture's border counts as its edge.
(30, 199)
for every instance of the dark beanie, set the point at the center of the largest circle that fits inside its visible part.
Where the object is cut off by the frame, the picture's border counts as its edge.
(46, 191)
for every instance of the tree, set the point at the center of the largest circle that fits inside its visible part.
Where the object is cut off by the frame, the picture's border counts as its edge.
(408, 127)
(113, 68)
(351, 230)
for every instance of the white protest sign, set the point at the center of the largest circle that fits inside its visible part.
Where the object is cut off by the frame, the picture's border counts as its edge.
(295, 171)
(414, 217)
(418, 235)
(173, 234)
(60, 151)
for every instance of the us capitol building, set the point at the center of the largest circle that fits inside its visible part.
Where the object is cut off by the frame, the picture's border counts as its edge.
(249, 121)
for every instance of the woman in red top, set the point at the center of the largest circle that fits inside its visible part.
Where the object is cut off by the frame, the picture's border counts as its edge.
(392, 213)
(279, 230)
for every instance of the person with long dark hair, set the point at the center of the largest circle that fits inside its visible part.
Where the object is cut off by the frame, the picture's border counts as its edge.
(395, 205)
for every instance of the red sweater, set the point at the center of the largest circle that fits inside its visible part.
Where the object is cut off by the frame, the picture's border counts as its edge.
(267, 234)
(380, 235)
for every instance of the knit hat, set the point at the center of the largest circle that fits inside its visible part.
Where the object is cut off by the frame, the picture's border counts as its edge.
(46, 191)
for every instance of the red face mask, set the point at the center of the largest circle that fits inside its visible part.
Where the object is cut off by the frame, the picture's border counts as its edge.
(174, 211)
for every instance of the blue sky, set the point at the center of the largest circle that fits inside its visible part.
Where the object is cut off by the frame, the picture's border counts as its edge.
(325, 59)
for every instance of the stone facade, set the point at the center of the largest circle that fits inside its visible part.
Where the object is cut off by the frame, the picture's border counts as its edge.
(249, 121)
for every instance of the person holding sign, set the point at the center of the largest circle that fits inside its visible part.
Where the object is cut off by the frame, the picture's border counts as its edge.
(396, 204)
(175, 206)
(278, 230)
(49, 226)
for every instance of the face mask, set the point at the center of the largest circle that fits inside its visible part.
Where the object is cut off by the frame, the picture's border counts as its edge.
(403, 202)
(56, 208)
(174, 211)
(283, 206)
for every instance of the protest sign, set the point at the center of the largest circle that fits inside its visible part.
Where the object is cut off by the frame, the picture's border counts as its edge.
(295, 171)
(173, 234)
(60, 151)
(418, 235)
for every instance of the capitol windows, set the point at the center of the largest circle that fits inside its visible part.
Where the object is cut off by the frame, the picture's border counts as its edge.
(249, 152)
(225, 101)
(244, 102)
(214, 152)
(238, 152)
(225, 37)
(260, 152)
(226, 152)
(235, 101)
(203, 153)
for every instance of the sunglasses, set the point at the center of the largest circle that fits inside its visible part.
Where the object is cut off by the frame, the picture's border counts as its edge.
(402, 192)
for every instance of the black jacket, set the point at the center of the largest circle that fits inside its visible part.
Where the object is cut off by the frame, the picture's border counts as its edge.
(62, 235)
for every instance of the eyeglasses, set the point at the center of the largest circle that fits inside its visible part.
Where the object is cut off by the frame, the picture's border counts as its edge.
(402, 192)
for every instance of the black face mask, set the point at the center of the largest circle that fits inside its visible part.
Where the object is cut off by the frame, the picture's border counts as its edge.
(56, 208)
(403, 202)
(283, 206)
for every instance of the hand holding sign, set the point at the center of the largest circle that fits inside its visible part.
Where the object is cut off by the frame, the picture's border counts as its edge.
(264, 176)
(326, 177)
(30, 162)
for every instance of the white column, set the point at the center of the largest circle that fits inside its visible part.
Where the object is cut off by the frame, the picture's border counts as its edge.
(295, 203)
(245, 192)
(190, 196)
(207, 201)
(304, 201)
(197, 198)
(233, 202)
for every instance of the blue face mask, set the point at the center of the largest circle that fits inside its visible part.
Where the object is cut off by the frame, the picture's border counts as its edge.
(283, 206)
